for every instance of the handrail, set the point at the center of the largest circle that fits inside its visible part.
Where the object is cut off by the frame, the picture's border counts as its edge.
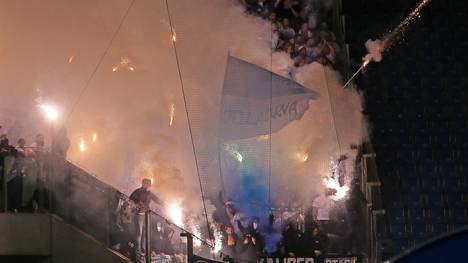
(57, 202)
(127, 198)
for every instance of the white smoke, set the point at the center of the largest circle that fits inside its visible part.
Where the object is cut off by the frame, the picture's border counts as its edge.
(53, 46)
(374, 50)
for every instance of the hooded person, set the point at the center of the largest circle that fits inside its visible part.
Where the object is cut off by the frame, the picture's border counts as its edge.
(253, 244)
(292, 239)
(315, 244)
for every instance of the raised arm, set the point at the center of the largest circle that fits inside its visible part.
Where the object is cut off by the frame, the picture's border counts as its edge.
(157, 200)
(241, 227)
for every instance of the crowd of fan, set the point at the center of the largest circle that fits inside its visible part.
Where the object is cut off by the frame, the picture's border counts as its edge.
(23, 188)
(299, 28)
(21, 149)
(329, 226)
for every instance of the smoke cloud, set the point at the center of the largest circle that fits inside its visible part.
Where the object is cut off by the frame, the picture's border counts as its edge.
(374, 49)
(51, 47)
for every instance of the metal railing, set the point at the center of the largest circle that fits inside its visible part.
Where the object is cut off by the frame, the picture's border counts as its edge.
(51, 184)
(370, 186)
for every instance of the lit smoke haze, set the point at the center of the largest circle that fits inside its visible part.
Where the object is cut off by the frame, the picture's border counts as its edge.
(52, 46)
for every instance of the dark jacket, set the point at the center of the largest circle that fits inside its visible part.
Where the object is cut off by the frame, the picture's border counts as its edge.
(292, 240)
(252, 239)
(311, 243)
(143, 197)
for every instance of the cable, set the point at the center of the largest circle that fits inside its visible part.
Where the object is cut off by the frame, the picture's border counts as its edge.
(332, 110)
(86, 86)
(219, 141)
(271, 102)
(188, 119)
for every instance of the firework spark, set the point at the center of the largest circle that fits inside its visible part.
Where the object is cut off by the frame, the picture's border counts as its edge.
(218, 242)
(332, 183)
(379, 46)
(399, 31)
(171, 113)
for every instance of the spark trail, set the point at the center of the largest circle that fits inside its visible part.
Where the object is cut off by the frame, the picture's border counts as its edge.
(377, 47)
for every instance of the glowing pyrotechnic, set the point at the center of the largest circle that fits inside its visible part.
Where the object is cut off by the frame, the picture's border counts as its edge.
(50, 112)
(196, 242)
(171, 113)
(365, 63)
(195, 229)
(124, 63)
(174, 37)
(218, 242)
(375, 48)
(302, 156)
(175, 212)
(94, 138)
(82, 145)
(398, 31)
(334, 184)
(70, 59)
(239, 156)
(232, 149)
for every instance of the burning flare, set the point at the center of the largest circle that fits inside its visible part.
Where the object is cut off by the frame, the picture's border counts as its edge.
(171, 113)
(82, 145)
(232, 149)
(175, 213)
(49, 111)
(341, 191)
(94, 137)
(375, 48)
(302, 156)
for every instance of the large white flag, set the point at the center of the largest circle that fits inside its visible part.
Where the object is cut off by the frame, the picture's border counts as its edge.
(252, 94)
